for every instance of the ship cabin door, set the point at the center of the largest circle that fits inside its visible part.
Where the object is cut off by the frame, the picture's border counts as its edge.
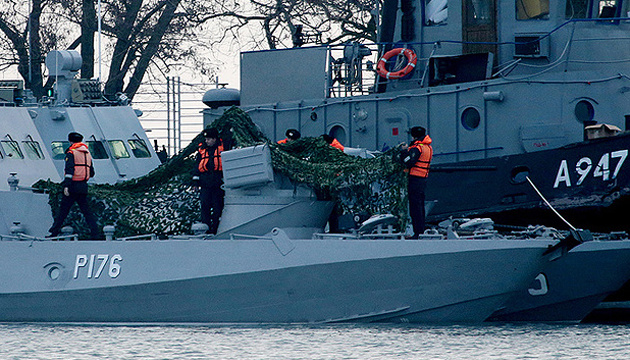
(479, 24)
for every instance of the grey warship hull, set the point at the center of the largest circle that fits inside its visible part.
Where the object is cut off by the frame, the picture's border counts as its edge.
(569, 288)
(250, 280)
(594, 200)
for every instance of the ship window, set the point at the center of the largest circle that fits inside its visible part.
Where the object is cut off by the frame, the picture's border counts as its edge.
(584, 111)
(577, 9)
(118, 149)
(532, 9)
(139, 148)
(471, 118)
(11, 149)
(97, 149)
(436, 12)
(607, 9)
(59, 149)
(33, 150)
(612, 9)
(478, 12)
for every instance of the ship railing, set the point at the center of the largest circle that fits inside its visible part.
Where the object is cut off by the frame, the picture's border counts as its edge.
(192, 237)
(24, 237)
(234, 236)
(351, 72)
(358, 236)
(143, 237)
(356, 75)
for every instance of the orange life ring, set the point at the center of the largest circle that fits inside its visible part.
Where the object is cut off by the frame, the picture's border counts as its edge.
(412, 59)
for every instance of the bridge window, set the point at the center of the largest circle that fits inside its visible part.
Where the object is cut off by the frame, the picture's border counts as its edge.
(436, 12)
(59, 149)
(11, 149)
(532, 9)
(97, 149)
(33, 150)
(118, 149)
(139, 148)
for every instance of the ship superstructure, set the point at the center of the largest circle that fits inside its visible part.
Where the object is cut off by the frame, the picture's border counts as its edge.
(495, 84)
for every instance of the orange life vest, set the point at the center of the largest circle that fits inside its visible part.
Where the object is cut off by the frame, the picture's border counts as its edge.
(205, 158)
(337, 144)
(82, 161)
(284, 141)
(421, 167)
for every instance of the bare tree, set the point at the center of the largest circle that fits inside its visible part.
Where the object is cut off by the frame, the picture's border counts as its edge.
(160, 34)
(141, 33)
(281, 20)
(25, 47)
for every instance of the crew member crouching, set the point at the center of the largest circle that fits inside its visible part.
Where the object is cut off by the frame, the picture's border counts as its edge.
(292, 134)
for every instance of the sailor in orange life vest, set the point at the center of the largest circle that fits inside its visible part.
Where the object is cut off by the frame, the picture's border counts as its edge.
(332, 142)
(208, 175)
(291, 134)
(417, 157)
(78, 170)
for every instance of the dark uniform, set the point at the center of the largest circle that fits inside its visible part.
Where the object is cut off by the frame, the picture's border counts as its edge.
(418, 159)
(78, 170)
(209, 176)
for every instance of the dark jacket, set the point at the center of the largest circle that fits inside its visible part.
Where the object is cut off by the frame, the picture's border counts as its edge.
(76, 187)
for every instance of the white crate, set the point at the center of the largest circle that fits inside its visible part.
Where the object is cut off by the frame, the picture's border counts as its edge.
(250, 166)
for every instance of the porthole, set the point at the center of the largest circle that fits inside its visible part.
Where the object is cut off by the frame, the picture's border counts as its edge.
(584, 111)
(471, 118)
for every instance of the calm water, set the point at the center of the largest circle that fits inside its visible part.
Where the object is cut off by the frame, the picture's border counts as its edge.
(492, 341)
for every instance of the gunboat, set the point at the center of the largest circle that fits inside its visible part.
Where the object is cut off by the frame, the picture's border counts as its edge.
(504, 88)
(256, 272)
(252, 271)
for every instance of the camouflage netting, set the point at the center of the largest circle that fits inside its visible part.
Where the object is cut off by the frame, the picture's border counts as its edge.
(165, 203)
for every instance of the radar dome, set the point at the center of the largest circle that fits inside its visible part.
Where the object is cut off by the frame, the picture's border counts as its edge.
(215, 98)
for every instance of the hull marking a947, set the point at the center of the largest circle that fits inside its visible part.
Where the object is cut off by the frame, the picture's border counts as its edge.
(584, 166)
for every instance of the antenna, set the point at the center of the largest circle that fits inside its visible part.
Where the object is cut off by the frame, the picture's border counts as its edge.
(99, 42)
(30, 66)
